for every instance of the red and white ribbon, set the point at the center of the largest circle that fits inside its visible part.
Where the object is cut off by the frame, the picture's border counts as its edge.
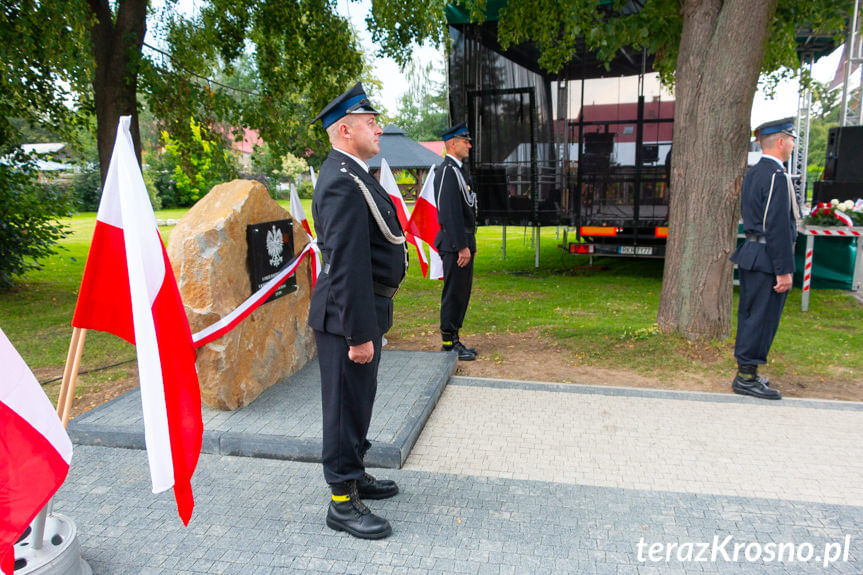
(843, 217)
(227, 323)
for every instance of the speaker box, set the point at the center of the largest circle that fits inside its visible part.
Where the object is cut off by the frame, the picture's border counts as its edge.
(844, 162)
(824, 191)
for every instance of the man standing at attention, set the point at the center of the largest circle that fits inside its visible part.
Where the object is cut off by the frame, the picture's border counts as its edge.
(364, 260)
(456, 240)
(765, 260)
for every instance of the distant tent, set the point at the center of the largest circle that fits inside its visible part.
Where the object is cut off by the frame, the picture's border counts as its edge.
(403, 153)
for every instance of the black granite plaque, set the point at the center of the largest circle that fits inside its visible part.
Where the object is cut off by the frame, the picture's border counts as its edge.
(271, 248)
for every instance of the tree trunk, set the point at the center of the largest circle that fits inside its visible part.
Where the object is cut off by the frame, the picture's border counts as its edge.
(722, 48)
(117, 53)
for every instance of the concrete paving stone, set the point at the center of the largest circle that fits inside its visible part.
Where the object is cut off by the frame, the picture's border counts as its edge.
(520, 509)
(410, 382)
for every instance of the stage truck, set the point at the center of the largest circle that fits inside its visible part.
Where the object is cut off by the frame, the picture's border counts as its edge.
(587, 149)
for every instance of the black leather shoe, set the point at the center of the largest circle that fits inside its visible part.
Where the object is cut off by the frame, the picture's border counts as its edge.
(464, 354)
(370, 488)
(754, 387)
(348, 513)
(470, 349)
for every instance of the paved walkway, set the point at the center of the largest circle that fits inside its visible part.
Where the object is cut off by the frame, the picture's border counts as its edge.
(509, 478)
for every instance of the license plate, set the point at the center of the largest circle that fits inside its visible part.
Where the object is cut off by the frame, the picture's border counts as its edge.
(636, 251)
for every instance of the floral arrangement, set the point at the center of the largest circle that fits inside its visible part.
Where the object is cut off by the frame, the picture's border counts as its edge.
(836, 213)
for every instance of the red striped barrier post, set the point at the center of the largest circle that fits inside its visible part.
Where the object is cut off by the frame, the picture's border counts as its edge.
(831, 232)
(807, 271)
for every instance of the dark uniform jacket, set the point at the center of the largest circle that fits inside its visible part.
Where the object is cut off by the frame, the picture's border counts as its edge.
(779, 229)
(355, 254)
(456, 217)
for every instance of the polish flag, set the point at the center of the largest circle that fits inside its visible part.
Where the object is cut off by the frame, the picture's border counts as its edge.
(129, 290)
(298, 213)
(424, 224)
(388, 183)
(35, 451)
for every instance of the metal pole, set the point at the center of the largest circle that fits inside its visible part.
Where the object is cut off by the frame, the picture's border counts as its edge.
(503, 242)
(536, 253)
(850, 54)
(857, 285)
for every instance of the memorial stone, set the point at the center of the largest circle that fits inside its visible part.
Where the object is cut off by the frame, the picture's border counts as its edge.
(208, 250)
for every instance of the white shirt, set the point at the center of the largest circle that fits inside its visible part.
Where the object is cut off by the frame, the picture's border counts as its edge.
(454, 159)
(362, 164)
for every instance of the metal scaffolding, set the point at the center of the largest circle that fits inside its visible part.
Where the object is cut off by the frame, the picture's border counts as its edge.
(801, 151)
(848, 116)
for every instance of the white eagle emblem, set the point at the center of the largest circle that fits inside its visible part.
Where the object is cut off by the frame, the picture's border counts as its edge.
(275, 246)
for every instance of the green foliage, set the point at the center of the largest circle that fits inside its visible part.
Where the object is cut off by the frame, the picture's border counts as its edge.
(275, 169)
(404, 177)
(28, 217)
(284, 60)
(196, 165)
(605, 28)
(291, 168)
(43, 67)
(86, 188)
(305, 189)
(423, 107)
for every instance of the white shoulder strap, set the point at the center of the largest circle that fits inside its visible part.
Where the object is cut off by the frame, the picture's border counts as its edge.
(767, 207)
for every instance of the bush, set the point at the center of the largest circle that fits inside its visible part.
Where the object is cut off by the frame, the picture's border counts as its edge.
(86, 188)
(305, 189)
(29, 229)
(189, 169)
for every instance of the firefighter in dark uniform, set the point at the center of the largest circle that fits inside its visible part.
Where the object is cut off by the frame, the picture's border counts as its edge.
(456, 240)
(364, 260)
(765, 260)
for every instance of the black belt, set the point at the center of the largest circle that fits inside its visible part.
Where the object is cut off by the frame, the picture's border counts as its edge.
(758, 238)
(385, 290)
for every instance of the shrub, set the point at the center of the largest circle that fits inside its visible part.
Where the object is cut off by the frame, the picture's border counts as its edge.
(29, 229)
(305, 189)
(85, 188)
(194, 166)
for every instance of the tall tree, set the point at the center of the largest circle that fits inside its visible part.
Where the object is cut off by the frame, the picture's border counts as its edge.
(712, 51)
(423, 107)
(93, 52)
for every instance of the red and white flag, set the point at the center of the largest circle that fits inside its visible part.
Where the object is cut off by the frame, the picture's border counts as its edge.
(129, 290)
(424, 225)
(388, 183)
(35, 451)
(298, 213)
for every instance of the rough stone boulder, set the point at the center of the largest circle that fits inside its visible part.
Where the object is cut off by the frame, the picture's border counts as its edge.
(208, 252)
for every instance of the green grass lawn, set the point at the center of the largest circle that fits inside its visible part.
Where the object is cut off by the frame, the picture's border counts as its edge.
(603, 314)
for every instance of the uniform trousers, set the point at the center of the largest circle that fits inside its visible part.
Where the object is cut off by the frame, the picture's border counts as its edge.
(457, 284)
(347, 397)
(758, 315)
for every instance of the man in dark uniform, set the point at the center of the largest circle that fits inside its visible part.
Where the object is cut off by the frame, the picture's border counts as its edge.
(456, 240)
(364, 260)
(765, 260)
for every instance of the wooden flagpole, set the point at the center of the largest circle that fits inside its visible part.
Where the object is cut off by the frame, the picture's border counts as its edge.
(70, 374)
